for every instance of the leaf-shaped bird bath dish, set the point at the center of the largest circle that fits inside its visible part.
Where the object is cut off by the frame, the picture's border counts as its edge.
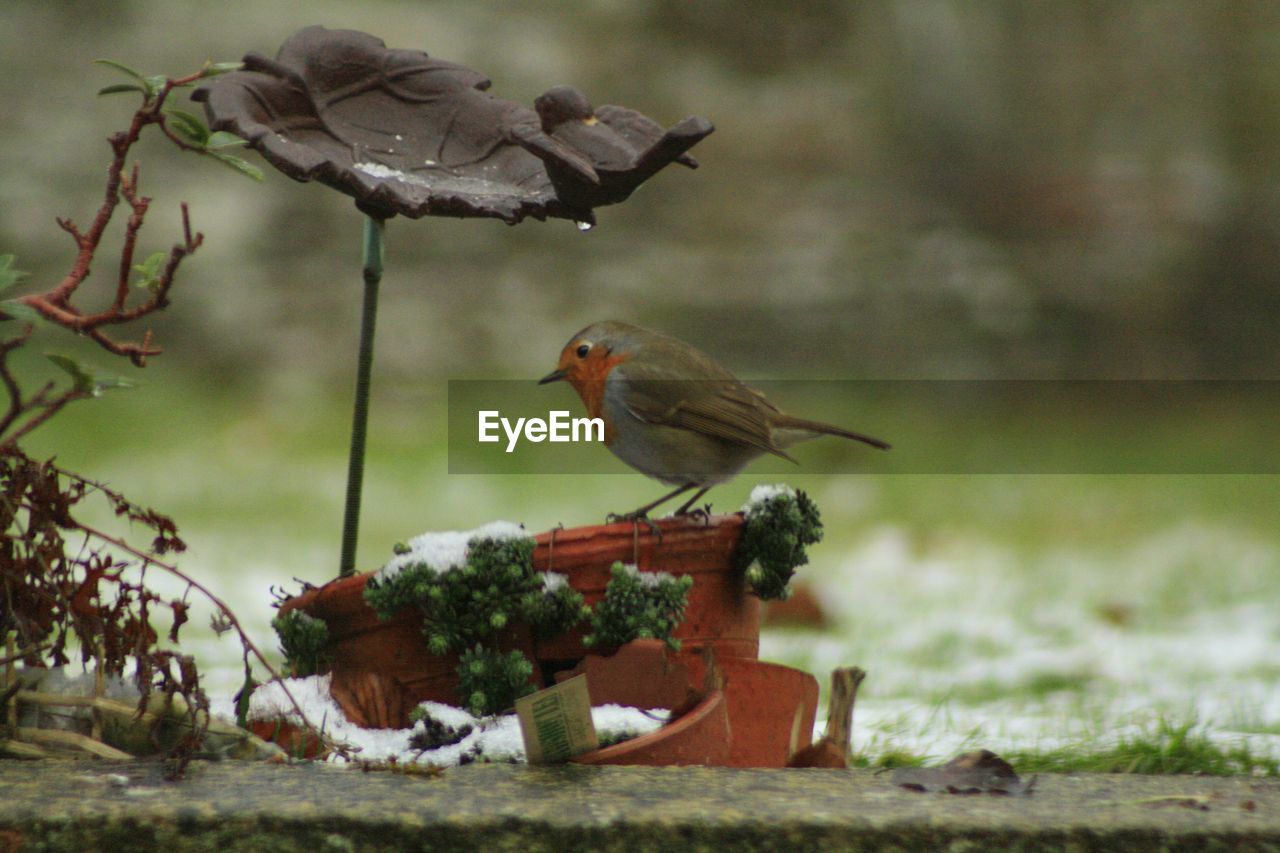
(403, 132)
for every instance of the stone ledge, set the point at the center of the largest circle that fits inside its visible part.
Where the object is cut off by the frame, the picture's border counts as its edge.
(64, 805)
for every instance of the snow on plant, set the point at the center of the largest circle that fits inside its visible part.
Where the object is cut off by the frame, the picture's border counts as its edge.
(780, 524)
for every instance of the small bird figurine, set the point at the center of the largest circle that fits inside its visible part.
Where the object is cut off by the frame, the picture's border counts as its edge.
(673, 413)
(596, 157)
(613, 138)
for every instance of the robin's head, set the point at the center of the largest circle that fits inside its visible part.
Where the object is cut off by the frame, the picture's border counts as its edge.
(590, 354)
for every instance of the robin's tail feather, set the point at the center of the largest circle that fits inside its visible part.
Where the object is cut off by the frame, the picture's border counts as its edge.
(800, 424)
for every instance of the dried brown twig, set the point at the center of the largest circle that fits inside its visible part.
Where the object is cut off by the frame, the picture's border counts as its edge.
(56, 305)
(226, 612)
(56, 596)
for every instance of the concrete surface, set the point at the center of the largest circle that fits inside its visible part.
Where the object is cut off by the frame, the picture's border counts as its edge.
(83, 805)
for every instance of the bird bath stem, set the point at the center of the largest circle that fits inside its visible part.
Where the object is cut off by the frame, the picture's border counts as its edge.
(372, 261)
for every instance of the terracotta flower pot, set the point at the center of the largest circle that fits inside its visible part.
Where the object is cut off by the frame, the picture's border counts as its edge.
(721, 613)
(382, 668)
(295, 741)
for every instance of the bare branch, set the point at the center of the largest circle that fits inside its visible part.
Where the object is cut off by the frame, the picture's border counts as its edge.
(128, 188)
(58, 304)
(226, 611)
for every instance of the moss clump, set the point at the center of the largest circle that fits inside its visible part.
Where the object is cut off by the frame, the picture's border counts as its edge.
(490, 681)
(470, 603)
(639, 605)
(465, 606)
(780, 524)
(461, 605)
(304, 642)
(554, 608)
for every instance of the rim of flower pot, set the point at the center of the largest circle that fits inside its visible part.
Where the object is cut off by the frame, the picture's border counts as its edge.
(675, 530)
(329, 593)
(667, 532)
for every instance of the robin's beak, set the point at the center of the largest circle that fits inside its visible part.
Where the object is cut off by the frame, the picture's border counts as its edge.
(554, 376)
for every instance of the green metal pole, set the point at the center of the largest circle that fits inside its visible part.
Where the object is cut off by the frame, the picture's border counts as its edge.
(372, 260)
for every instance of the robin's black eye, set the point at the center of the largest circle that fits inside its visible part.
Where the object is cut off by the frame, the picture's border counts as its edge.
(583, 349)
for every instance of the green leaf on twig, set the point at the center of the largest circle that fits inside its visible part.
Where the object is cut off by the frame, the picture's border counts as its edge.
(122, 68)
(122, 87)
(149, 270)
(12, 308)
(190, 127)
(242, 166)
(194, 132)
(86, 379)
(148, 86)
(213, 69)
(223, 139)
(81, 377)
(20, 311)
(8, 275)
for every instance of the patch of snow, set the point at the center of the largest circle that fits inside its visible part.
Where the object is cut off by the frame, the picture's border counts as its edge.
(972, 643)
(647, 579)
(445, 550)
(377, 170)
(448, 715)
(619, 719)
(552, 581)
(492, 738)
(762, 494)
(271, 701)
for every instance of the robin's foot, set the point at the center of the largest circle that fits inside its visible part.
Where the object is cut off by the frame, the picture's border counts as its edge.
(701, 512)
(615, 517)
(637, 517)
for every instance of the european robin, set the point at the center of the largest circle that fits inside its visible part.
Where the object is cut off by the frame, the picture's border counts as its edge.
(674, 414)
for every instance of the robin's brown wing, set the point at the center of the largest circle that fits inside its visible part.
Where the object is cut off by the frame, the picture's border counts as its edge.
(712, 402)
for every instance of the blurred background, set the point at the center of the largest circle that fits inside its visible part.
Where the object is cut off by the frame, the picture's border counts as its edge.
(895, 190)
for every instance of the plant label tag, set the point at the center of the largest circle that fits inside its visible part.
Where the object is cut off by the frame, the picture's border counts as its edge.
(556, 723)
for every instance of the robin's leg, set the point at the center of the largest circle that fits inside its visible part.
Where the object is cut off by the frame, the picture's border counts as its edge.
(684, 510)
(643, 512)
